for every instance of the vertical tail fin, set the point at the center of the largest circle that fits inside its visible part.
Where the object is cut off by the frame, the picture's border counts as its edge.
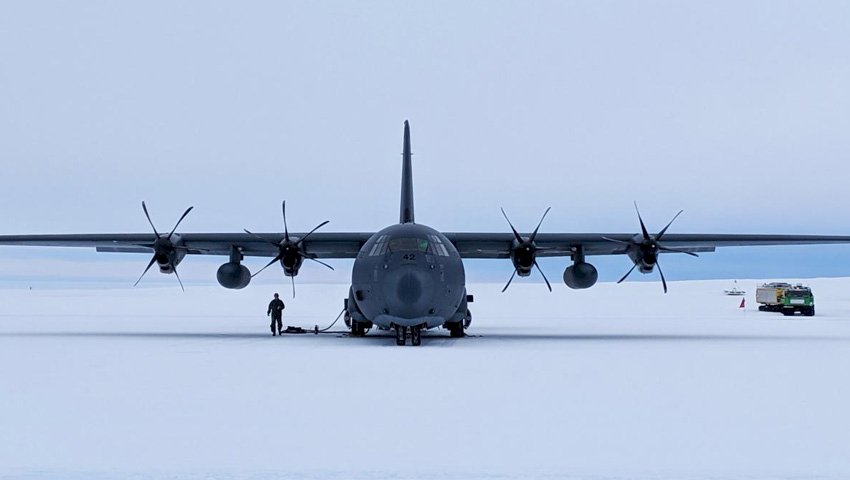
(406, 215)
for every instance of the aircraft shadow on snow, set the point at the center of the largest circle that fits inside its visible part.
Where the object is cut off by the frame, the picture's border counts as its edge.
(486, 338)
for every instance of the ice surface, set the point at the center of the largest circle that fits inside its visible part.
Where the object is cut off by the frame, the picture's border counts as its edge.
(619, 381)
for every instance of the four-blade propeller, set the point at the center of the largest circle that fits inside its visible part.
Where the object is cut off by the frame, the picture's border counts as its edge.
(524, 252)
(164, 250)
(644, 250)
(290, 250)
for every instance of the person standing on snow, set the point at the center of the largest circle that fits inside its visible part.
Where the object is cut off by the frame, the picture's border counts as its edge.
(276, 312)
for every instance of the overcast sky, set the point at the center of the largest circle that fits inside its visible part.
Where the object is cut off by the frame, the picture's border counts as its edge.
(737, 112)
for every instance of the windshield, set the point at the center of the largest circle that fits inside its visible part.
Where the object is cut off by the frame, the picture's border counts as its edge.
(408, 245)
(796, 293)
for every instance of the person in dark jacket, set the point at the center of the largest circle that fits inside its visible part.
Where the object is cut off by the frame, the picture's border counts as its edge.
(276, 312)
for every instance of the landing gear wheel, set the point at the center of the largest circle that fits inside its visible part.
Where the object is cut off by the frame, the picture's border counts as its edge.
(416, 336)
(357, 329)
(400, 335)
(456, 329)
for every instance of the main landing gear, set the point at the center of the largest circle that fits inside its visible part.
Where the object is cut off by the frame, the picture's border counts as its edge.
(358, 329)
(415, 335)
(455, 329)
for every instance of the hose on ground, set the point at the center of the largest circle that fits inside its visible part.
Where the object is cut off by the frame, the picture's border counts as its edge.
(316, 330)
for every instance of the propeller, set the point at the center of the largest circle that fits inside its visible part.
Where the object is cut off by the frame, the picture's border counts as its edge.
(290, 250)
(524, 252)
(164, 249)
(647, 248)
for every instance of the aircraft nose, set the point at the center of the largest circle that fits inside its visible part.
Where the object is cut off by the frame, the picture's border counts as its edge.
(408, 293)
(409, 288)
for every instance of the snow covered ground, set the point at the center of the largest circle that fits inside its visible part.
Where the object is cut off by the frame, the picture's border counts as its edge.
(619, 381)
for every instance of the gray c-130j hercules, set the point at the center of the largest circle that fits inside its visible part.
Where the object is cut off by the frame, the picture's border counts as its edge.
(408, 276)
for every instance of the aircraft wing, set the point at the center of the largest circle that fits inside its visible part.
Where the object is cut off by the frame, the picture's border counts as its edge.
(322, 245)
(498, 245)
(469, 245)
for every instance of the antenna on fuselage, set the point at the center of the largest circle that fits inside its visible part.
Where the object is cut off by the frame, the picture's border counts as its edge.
(406, 215)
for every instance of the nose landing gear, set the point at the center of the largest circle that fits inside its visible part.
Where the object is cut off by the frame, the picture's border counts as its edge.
(400, 335)
(415, 335)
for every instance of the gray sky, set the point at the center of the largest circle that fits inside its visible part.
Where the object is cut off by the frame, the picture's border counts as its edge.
(737, 112)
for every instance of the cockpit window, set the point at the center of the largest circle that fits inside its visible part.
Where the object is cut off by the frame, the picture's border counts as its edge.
(437, 246)
(432, 245)
(408, 245)
(380, 247)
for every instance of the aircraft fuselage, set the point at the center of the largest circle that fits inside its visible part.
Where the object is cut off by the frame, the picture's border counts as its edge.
(408, 275)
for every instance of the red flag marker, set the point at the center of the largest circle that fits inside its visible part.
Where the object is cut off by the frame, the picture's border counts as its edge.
(743, 303)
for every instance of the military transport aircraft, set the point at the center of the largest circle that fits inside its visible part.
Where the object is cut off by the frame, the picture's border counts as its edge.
(408, 276)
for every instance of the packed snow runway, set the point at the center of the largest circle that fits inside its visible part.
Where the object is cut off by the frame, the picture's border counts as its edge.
(619, 381)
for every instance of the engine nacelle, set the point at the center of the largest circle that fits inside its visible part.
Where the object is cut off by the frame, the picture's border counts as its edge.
(170, 259)
(644, 257)
(580, 275)
(233, 275)
(523, 257)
